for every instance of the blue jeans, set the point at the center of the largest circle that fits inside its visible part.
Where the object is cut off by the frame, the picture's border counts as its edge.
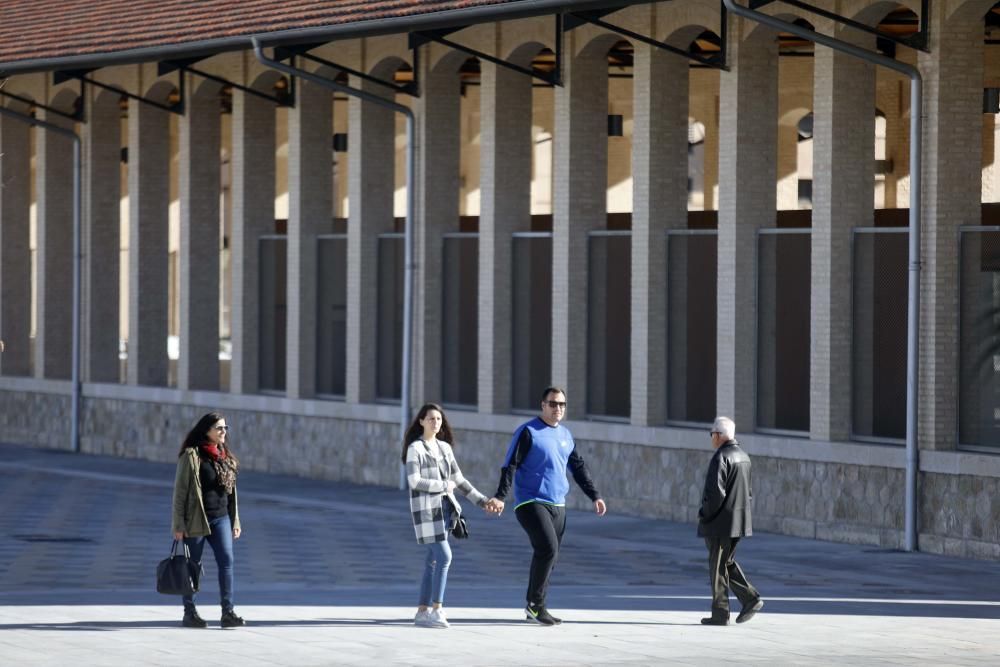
(436, 568)
(221, 541)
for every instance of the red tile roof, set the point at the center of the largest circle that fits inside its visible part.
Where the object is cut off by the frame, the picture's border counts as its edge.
(33, 30)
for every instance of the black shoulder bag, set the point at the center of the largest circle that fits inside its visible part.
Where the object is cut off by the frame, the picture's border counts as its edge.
(178, 574)
(460, 531)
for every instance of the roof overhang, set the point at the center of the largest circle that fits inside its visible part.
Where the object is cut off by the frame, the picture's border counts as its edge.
(451, 18)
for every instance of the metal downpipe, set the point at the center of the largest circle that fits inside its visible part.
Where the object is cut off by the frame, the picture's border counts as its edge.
(76, 392)
(913, 306)
(408, 245)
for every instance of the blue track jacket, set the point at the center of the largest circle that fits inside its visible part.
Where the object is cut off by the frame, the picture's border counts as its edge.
(537, 460)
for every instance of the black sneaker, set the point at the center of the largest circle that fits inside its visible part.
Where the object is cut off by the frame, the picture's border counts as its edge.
(193, 620)
(540, 615)
(713, 620)
(750, 611)
(231, 620)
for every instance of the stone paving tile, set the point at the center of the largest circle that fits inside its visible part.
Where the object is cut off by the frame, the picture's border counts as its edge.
(327, 574)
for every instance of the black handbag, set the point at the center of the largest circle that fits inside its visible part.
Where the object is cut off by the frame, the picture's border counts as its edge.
(461, 529)
(178, 574)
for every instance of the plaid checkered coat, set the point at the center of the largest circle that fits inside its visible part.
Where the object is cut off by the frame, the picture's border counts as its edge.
(428, 477)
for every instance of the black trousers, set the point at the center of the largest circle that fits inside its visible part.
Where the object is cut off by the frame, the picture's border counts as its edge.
(725, 574)
(544, 525)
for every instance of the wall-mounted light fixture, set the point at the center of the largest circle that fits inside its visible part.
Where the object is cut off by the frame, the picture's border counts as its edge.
(340, 142)
(991, 100)
(616, 125)
(883, 167)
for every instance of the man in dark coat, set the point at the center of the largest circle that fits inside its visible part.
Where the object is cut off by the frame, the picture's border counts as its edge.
(723, 519)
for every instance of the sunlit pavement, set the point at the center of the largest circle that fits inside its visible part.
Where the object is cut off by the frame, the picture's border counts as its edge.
(327, 575)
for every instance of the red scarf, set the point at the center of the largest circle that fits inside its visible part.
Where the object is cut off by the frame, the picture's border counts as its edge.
(213, 451)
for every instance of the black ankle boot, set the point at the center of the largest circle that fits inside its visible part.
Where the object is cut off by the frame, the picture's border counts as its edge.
(231, 620)
(192, 619)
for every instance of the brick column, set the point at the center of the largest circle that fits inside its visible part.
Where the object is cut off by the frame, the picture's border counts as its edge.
(747, 157)
(438, 157)
(659, 171)
(15, 252)
(199, 184)
(371, 158)
(149, 188)
(102, 237)
(253, 216)
(506, 147)
(843, 144)
(310, 200)
(54, 258)
(579, 204)
(953, 82)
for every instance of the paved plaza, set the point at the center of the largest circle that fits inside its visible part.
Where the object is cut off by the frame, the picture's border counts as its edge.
(326, 574)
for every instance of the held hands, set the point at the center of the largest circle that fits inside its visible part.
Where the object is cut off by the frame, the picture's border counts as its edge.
(494, 506)
(600, 507)
(179, 536)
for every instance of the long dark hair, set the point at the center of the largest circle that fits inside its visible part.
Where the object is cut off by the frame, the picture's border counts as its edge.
(199, 434)
(415, 431)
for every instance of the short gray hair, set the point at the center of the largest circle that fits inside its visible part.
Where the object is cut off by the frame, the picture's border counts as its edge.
(725, 427)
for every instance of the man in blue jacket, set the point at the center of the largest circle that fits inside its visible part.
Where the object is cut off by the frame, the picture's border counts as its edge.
(539, 454)
(723, 519)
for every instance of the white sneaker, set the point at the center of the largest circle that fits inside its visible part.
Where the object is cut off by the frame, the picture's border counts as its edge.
(423, 618)
(438, 619)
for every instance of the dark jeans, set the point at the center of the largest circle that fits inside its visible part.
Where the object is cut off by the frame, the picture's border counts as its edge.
(544, 525)
(221, 541)
(725, 574)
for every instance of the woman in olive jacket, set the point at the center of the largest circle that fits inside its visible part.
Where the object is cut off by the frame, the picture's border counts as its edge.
(204, 508)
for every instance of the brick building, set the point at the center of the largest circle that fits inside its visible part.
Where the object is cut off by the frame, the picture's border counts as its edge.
(668, 236)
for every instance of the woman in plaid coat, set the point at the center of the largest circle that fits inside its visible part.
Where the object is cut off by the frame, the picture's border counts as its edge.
(433, 476)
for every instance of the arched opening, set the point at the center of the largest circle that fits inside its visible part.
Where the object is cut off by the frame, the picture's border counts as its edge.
(691, 242)
(105, 196)
(52, 239)
(703, 134)
(257, 259)
(610, 250)
(521, 216)
(879, 275)
(460, 258)
(199, 339)
(784, 250)
(332, 241)
(795, 102)
(979, 269)
(378, 204)
(151, 187)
